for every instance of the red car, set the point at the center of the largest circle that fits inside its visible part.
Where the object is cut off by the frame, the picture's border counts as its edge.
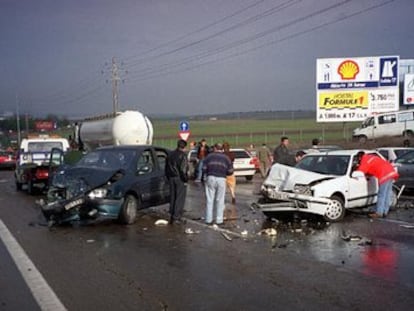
(7, 160)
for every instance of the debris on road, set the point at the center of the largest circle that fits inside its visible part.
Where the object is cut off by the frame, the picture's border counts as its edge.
(191, 231)
(90, 241)
(268, 231)
(226, 236)
(348, 238)
(244, 233)
(161, 222)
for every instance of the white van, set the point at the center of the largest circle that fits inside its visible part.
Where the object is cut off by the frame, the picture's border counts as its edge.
(398, 123)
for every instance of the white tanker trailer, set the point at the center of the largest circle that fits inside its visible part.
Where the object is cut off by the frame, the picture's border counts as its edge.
(124, 128)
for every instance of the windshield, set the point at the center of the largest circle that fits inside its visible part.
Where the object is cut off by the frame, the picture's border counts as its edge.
(325, 164)
(111, 158)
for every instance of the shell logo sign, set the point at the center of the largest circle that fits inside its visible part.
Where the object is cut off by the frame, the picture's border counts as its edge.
(343, 100)
(348, 70)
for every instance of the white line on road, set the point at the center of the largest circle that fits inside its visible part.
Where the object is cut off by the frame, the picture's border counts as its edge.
(44, 295)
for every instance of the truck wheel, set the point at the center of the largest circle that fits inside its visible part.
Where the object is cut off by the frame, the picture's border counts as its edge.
(250, 177)
(408, 134)
(362, 139)
(128, 211)
(335, 211)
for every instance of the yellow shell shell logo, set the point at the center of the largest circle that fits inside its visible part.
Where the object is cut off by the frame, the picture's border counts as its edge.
(348, 69)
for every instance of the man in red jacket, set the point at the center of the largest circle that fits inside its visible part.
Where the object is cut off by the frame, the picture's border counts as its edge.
(376, 166)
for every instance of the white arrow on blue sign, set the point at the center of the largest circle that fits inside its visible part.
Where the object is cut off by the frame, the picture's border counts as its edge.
(184, 126)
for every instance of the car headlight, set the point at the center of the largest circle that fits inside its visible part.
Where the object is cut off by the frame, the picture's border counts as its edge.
(302, 189)
(99, 193)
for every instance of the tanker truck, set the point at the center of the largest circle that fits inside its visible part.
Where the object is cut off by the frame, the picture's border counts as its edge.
(122, 128)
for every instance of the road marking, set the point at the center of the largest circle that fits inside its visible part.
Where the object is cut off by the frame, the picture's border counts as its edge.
(43, 294)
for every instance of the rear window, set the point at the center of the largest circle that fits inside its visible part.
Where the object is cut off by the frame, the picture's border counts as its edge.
(43, 146)
(241, 154)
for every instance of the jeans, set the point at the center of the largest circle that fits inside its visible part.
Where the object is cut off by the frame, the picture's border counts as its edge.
(215, 192)
(199, 175)
(384, 197)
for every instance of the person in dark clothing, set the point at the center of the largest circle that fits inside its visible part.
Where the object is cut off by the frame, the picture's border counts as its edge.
(176, 170)
(281, 153)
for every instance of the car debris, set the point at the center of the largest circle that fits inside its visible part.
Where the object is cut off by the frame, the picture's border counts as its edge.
(244, 233)
(191, 231)
(226, 236)
(407, 226)
(161, 222)
(268, 231)
(348, 238)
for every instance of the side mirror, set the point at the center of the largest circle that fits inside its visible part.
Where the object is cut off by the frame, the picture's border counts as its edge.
(357, 174)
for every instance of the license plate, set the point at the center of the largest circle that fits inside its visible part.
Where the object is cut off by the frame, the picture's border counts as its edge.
(73, 204)
(280, 196)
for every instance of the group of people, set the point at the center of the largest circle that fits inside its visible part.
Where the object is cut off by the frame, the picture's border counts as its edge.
(215, 168)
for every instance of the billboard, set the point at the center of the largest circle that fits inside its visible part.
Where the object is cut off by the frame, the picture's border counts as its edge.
(409, 89)
(351, 89)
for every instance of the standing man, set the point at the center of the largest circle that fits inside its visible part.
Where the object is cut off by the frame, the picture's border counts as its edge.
(264, 157)
(385, 173)
(176, 170)
(281, 153)
(217, 166)
(202, 151)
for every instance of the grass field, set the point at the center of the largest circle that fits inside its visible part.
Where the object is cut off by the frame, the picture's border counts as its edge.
(243, 132)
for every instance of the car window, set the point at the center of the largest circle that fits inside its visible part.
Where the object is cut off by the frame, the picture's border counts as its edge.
(43, 146)
(161, 158)
(145, 162)
(407, 158)
(384, 153)
(401, 152)
(240, 154)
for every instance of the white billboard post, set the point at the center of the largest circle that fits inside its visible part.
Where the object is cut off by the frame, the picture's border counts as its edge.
(352, 89)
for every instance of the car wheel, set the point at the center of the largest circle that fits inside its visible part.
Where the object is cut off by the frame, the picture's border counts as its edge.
(335, 210)
(250, 177)
(362, 139)
(128, 211)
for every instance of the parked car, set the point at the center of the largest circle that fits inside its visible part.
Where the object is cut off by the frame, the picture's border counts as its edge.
(322, 183)
(7, 160)
(245, 165)
(392, 153)
(142, 183)
(405, 167)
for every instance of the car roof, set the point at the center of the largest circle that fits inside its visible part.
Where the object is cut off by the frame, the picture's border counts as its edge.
(395, 148)
(123, 147)
(347, 152)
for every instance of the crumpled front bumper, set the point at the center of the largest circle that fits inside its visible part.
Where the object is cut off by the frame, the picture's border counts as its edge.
(288, 201)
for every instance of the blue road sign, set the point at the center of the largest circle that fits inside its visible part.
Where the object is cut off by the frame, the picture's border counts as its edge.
(184, 126)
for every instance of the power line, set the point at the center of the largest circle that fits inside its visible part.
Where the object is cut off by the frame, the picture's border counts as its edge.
(201, 29)
(269, 12)
(246, 40)
(291, 36)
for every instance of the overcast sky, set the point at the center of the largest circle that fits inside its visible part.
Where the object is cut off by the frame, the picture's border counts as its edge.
(185, 56)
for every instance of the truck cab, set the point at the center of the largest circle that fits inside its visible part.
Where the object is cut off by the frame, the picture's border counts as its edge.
(32, 167)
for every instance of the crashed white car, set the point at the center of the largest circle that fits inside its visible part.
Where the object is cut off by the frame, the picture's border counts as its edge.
(321, 183)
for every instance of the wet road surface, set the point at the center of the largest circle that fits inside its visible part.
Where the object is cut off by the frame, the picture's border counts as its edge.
(353, 265)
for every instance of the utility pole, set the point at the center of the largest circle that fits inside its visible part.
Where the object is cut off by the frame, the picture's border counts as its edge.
(19, 138)
(115, 80)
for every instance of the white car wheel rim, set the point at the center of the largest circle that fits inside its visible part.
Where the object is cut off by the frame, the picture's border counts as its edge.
(334, 210)
(131, 208)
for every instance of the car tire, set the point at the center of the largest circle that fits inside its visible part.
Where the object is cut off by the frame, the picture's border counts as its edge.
(249, 178)
(129, 208)
(335, 211)
(362, 139)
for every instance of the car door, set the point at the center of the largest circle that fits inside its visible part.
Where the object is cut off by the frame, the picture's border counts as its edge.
(405, 168)
(149, 179)
(362, 190)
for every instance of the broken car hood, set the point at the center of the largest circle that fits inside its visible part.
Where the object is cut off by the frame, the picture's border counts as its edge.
(284, 177)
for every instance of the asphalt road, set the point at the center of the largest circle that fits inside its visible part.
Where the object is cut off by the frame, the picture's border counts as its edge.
(357, 264)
